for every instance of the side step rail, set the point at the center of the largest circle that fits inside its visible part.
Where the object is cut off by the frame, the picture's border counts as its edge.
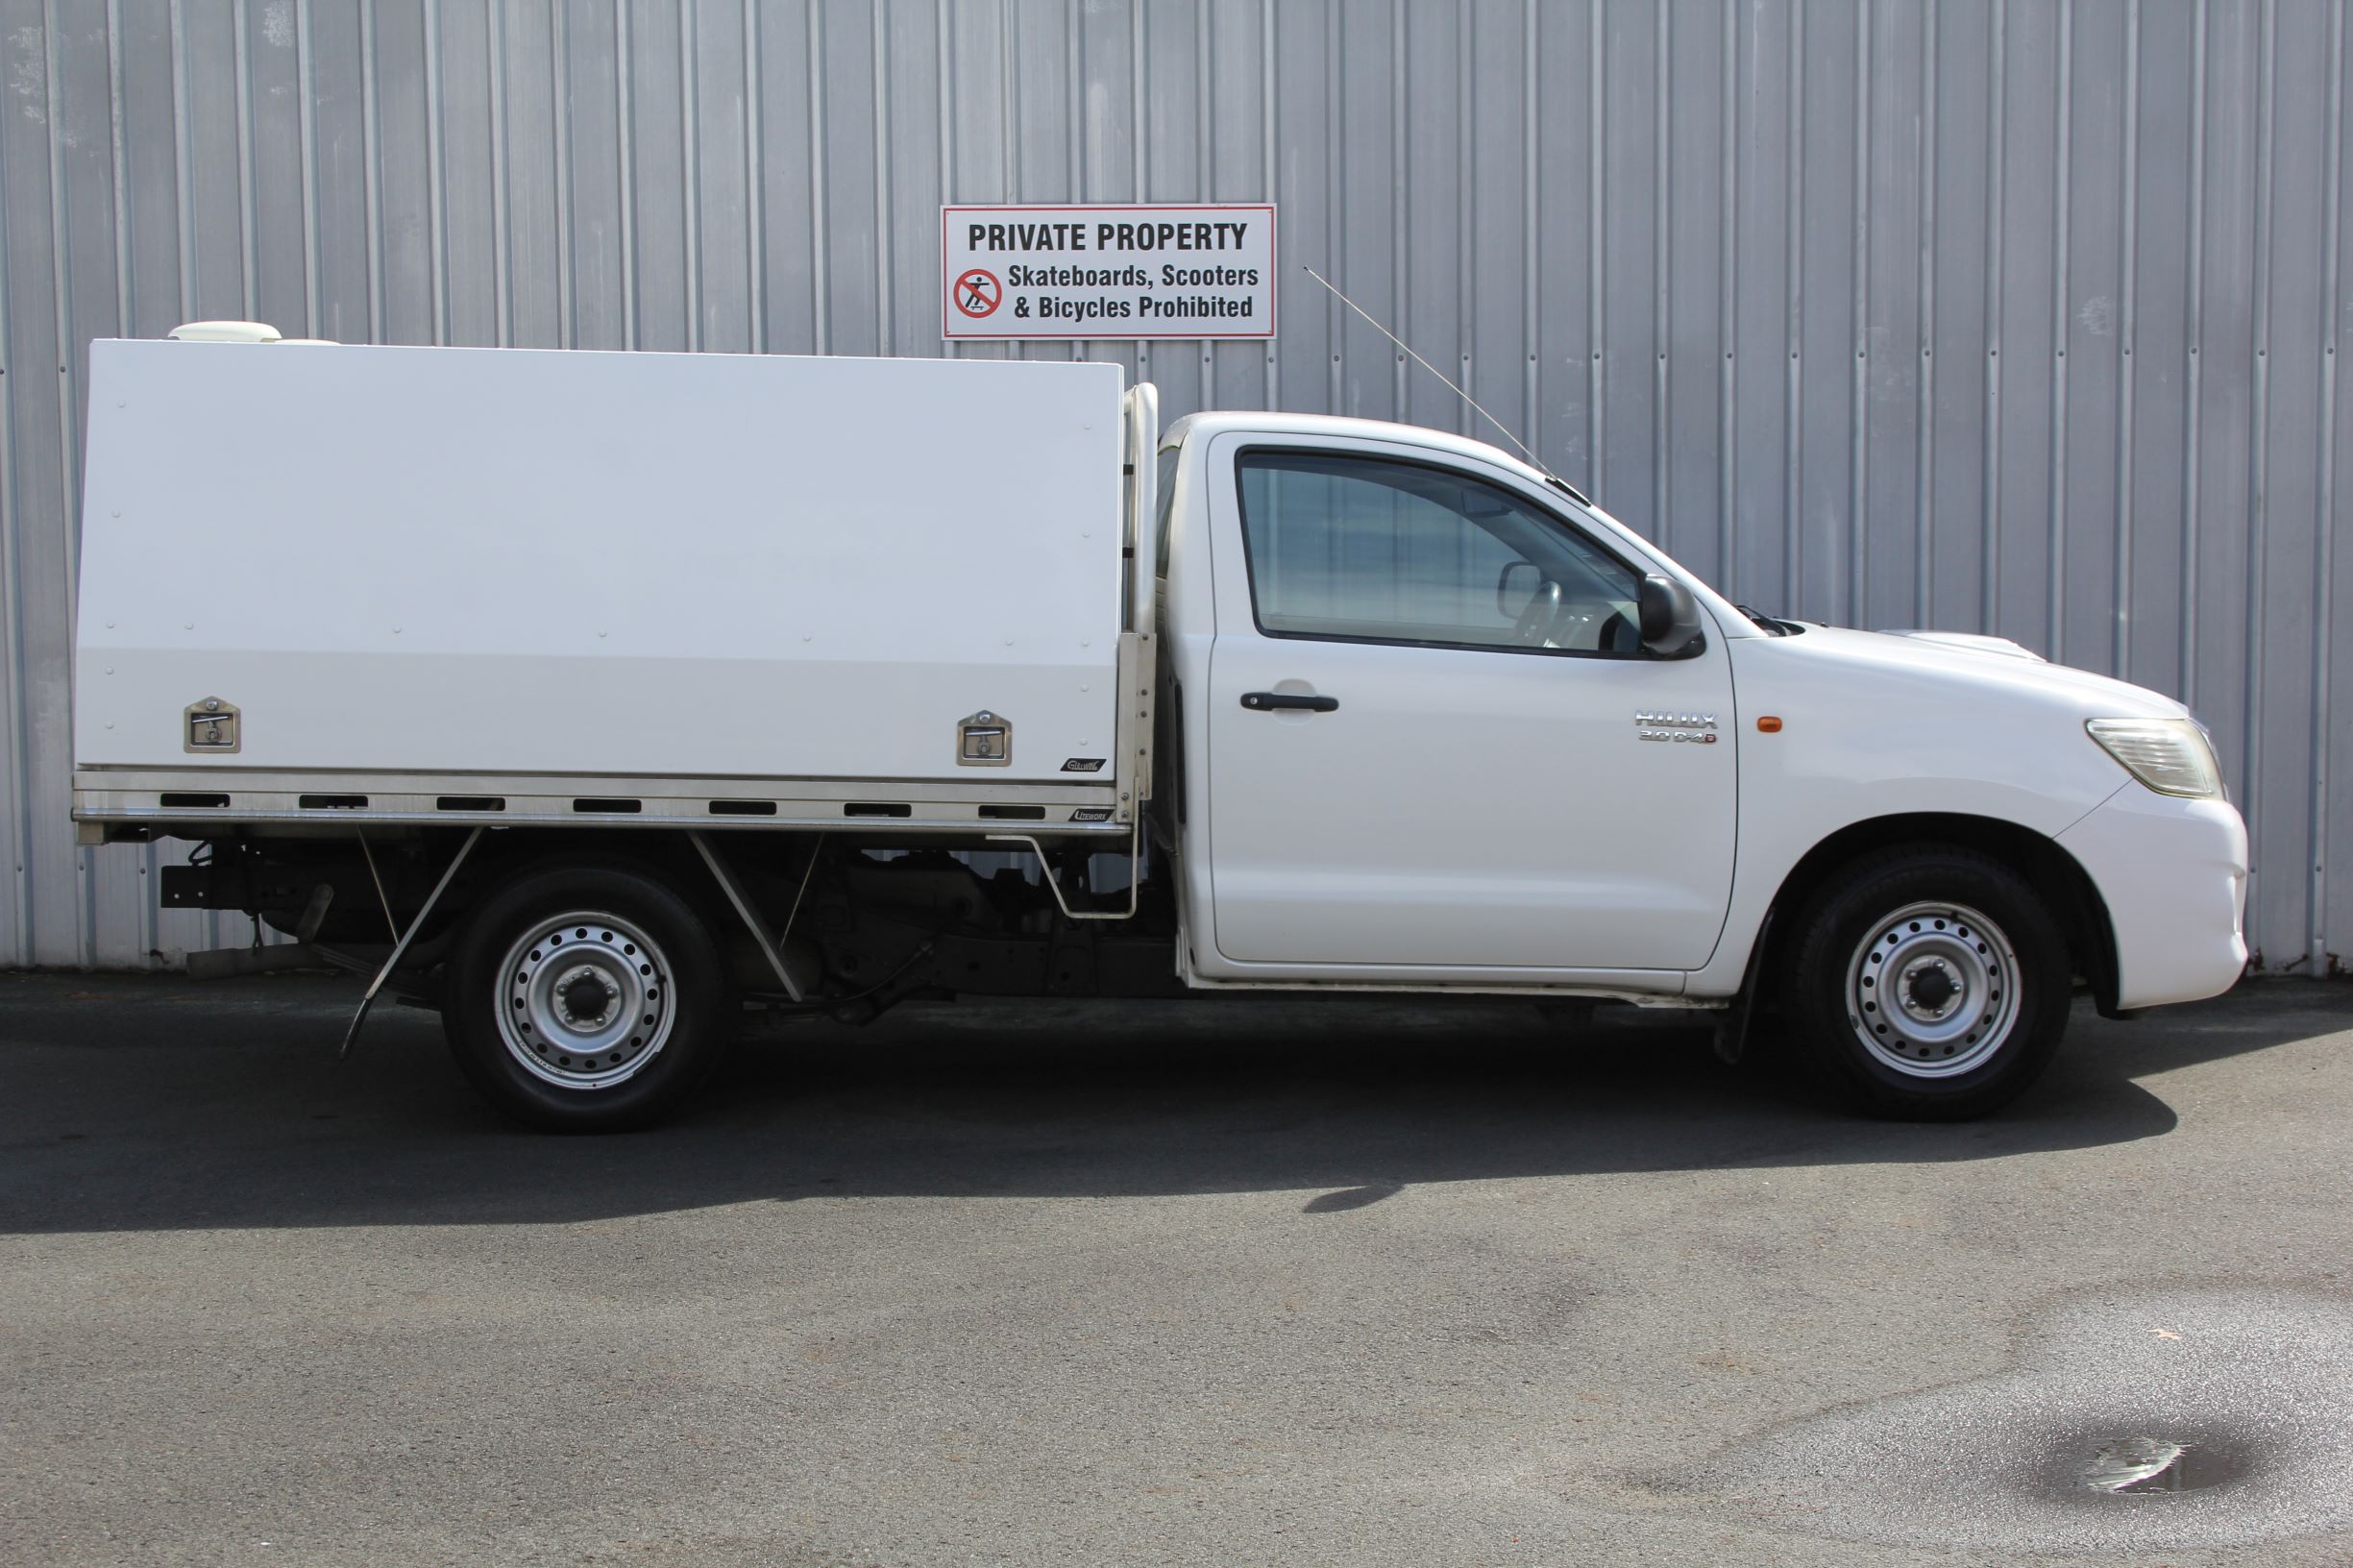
(1046, 869)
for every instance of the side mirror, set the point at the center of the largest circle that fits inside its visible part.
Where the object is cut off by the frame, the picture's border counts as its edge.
(1670, 618)
(1511, 596)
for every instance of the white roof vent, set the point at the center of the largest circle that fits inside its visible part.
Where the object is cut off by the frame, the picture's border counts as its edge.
(225, 331)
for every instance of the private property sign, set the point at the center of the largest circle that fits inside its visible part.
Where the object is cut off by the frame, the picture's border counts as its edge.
(1107, 272)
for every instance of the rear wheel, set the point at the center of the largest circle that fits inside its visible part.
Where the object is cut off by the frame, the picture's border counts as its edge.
(586, 999)
(1930, 983)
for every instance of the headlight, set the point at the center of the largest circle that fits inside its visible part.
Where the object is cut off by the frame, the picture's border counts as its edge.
(2169, 755)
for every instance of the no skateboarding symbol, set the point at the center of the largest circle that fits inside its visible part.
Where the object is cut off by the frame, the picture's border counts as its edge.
(979, 293)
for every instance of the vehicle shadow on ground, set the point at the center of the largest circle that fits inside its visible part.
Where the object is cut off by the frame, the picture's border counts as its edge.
(144, 1103)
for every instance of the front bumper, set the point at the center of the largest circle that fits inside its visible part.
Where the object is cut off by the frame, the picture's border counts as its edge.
(2173, 875)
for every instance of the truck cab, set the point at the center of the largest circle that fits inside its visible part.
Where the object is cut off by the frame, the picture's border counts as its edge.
(1451, 724)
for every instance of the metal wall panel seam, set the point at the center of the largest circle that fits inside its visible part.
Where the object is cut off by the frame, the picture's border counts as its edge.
(117, 164)
(85, 869)
(2054, 589)
(1141, 131)
(1531, 411)
(1989, 539)
(1793, 210)
(1466, 195)
(1010, 116)
(437, 208)
(306, 131)
(1859, 472)
(183, 208)
(2120, 653)
(1597, 208)
(1009, 99)
(885, 338)
(502, 216)
(1924, 424)
(241, 45)
(18, 735)
(2192, 376)
(755, 196)
(67, 400)
(625, 138)
(1335, 206)
(559, 133)
(690, 169)
(2324, 521)
(183, 175)
(1398, 112)
(1727, 333)
(1099, 186)
(2258, 446)
(149, 916)
(1205, 159)
(942, 17)
(371, 131)
(1267, 136)
(821, 287)
(1075, 140)
(1662, 88)
(148, 919)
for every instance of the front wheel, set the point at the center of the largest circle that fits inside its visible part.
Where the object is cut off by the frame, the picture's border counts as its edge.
(1930, 983)
(586, 998)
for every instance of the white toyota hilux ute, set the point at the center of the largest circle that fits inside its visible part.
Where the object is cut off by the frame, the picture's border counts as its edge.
(593, 696)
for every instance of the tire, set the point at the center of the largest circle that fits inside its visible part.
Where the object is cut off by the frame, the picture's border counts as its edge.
(1980, 991)
(587, 999)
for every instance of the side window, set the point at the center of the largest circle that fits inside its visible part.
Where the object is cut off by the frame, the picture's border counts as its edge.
(1369, 549)
(1165, 504)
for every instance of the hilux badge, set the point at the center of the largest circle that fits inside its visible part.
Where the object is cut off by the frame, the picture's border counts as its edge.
(1700, 727)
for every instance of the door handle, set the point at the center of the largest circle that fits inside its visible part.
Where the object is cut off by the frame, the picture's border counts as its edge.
(1271, 701)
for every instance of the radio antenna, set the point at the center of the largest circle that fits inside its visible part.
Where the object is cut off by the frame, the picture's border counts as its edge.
(1408, 349)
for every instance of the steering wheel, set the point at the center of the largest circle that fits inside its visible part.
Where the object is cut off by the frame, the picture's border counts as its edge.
(1536, 620)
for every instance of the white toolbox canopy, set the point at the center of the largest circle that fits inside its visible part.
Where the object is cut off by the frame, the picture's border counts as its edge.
(435, 561)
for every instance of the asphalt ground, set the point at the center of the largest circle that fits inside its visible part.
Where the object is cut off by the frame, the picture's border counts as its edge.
(1316, 1280)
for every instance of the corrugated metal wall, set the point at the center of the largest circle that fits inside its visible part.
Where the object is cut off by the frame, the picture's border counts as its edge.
(2018, 317)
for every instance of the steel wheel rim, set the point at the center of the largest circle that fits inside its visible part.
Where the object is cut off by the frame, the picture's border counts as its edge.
(1932, 990)
(583, 1000)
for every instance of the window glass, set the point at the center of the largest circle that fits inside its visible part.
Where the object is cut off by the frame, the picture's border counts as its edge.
(1165, 498)
(1370, 549)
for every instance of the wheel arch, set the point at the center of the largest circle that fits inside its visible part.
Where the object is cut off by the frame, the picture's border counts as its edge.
(2073, 899)
(661, 856)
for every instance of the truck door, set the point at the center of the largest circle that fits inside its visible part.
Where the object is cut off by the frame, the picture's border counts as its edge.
(1435, 739)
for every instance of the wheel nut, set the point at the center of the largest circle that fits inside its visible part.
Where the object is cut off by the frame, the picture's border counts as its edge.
(585, 996)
